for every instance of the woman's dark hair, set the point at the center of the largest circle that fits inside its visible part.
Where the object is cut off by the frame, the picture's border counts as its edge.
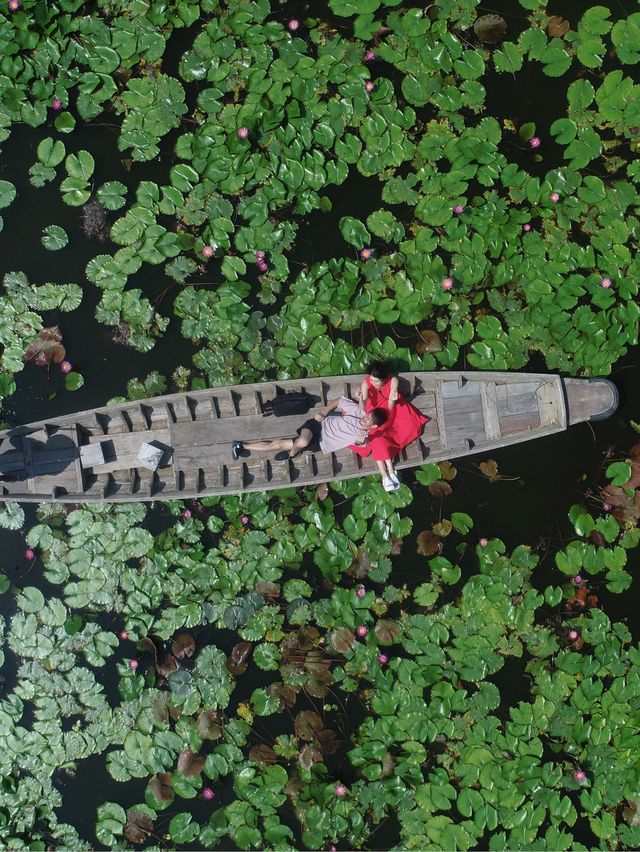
(379, 416)
(379, 370)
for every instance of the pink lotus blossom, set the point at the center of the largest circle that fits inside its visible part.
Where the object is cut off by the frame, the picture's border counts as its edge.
(208, 251)
(369, 55)
(483, 542)
(447, 284)
(369, 86)
(458, 209)
(526, 227)
(123, 634)
(262, 266)
(293, 25)
(244, 520)
(579, 776)
(29, 553)
(605, 283)
(260, 255)
(133, 665)
(361, 591)
(365, 253)
(340, 790)
(56, 104)
(578, 580)
(243, 132)
(13, 5)
(361, 631)
(66, 367)
(573, 635)
(555, 197)
(535, 142)
(186, 514)
(383, 659)
(207, 793)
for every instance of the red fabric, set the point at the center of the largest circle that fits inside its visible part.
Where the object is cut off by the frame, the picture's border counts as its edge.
(404, 424)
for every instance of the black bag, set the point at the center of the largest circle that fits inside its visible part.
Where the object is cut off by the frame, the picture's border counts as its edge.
(287, 404)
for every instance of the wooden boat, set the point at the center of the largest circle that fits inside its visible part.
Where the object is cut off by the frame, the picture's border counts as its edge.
(94, 456)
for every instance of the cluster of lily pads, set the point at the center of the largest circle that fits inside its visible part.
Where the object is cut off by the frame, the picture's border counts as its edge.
(386, 699)
(491, 250)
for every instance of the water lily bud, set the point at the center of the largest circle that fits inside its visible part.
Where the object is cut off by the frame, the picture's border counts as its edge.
(259, 255)
(361, 591)
(526, 227)
(578, 580)
(29, 553)
(369, 56)
(186, 514)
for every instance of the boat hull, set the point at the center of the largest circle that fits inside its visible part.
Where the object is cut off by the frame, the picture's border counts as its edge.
(94, 456)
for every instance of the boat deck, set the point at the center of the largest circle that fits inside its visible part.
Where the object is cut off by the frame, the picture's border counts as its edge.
(92, 456)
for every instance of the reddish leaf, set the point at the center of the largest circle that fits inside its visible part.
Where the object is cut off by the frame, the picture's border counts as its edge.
(387, 631)
(447, 470)
(183, 646)
(285, 692)
(322, 491)
(396, 546)
(440, 489)
(428, 543)
(490, 469)
(361, 565)
(166, 665)
(46, 348)
(189, 763)
(490, 28)
(309, 755)
(237, 660)
(306, 724)
(139, 826)
(209, 727)
(263, 754)
(430, 342)
(557, 26)
(319, 682)
(328, 741)
(342, 640)
(160, 786)
(148, 645)
(267, 589)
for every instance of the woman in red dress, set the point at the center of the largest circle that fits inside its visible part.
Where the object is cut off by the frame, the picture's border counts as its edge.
(379, 389)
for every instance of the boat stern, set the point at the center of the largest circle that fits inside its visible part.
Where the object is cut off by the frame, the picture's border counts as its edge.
(590, 399)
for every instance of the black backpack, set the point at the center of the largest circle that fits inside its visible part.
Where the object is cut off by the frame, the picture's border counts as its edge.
(287, 404)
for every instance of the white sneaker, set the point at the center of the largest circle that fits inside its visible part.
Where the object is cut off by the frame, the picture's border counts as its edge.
(387, 483)
(394, 478)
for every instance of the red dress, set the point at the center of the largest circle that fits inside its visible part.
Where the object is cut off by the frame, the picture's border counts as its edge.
(404, 424)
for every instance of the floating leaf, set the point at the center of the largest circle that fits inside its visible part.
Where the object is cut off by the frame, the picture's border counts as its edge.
(237, 661)
(47, 348)
(557, 26)
(263, 754)
(490, 469)
(490, 29)
(73, 381)
(7, 193)
(342, 640)
(208, 726)
(139, 827)
(54, 237)
(387, 631)
(307, 724)
(428, 543)
(190, 764)
(160, 786)
(183, 646)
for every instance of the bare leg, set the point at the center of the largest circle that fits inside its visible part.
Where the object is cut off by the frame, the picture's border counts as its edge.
(303, 440)
(385, 467)
(267, 446)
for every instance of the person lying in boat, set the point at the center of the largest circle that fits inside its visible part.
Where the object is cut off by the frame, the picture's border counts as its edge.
(341, 424)
(404, 423)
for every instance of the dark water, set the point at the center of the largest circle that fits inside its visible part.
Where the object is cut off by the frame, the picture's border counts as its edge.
(529, 505)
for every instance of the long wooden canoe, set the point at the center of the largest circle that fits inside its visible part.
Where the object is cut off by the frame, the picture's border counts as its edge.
(93, 456)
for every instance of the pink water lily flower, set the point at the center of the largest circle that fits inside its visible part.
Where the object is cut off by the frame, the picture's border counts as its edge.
(447, 284)
(526, 227)
(56, 104)
(361, 631)
(365, 253)
(483, 542)
(369, 86)
(578, 580)
(13, 5)
(340, 790)
(293, 25)
(535, 142)
(244, 520)
(208, 251)
(383, 659)
(243, 132)
(361, 591)
(66, 367)
(133, 665)
(186, 514)
(369, 55)
(458, 209)
(29, 553)
(605, 283)
(555, 197)
(573, 635)
(579, 776)
(207, 793)
(123, 634)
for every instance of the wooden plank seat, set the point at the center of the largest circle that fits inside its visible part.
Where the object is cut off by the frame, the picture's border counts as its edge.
(121, 451)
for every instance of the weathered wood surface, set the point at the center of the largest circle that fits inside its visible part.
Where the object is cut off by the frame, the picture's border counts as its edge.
(471, 412)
